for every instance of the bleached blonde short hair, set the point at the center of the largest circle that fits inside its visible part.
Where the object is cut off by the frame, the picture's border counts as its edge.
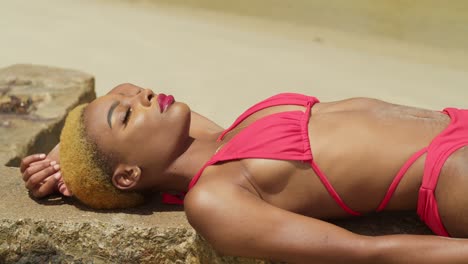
(86, 171)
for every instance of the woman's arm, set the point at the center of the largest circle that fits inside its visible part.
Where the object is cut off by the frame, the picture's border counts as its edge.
(238, 223)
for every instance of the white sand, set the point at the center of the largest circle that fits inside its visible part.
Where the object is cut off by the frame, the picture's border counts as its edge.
(221, 63)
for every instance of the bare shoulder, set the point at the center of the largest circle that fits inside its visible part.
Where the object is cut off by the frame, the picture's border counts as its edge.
(198, 198)
(212, 208)
(205, 201)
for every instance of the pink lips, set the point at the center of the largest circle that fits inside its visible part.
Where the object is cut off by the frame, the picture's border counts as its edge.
(165, 101)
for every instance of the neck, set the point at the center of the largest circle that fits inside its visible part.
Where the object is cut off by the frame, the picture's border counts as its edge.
(183, 169)
(200, 146)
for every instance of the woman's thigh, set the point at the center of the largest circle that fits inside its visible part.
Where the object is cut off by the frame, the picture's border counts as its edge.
(452, 194)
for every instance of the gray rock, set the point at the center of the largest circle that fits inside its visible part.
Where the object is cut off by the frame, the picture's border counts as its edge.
(52, 92)
(60, 230)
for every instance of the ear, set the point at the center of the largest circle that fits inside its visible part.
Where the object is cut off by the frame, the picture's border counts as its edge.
(126, 176)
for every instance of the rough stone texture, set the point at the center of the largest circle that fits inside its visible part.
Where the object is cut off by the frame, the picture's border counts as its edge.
(54, 92)
(60, 230)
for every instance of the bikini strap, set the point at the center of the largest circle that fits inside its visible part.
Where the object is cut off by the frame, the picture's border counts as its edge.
(279, 99)
(398, 178)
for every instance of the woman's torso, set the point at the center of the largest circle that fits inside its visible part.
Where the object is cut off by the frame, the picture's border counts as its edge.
(359, 144)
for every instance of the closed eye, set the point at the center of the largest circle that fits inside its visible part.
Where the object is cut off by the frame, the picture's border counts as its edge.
(128, 113)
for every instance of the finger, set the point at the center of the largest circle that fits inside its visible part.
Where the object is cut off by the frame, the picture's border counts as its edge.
(31, 170)
(46, 188)
(31, 158)
(40, 176)
(40, 162)
(63, 189)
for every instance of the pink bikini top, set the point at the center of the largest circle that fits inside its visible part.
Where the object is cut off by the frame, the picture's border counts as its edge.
(284, 136)
(281, 135)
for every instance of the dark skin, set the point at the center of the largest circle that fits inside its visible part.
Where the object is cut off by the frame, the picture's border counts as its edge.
(272, 208)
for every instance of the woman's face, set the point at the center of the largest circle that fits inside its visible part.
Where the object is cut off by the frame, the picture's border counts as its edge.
(140, 127)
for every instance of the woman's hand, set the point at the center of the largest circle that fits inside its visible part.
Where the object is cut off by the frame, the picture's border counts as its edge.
(42, 176)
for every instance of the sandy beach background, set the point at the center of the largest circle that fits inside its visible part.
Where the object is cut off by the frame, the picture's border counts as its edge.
(222, 59)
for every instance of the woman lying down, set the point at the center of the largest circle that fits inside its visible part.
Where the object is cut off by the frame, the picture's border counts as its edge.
(265, 186)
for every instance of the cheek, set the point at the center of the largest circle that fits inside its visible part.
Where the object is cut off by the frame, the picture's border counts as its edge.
(145, 132)
(144, 123)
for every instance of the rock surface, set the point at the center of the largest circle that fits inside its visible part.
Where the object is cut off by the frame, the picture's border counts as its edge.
(60, 230)
(52, 93)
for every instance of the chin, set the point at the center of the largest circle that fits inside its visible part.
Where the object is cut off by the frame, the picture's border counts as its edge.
(182, 110)
(181, 114)
(183, 107)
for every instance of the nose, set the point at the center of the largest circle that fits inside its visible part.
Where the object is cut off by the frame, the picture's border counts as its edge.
(145, 96)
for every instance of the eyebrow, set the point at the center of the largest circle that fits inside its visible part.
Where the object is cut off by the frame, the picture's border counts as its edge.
(109, 114)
